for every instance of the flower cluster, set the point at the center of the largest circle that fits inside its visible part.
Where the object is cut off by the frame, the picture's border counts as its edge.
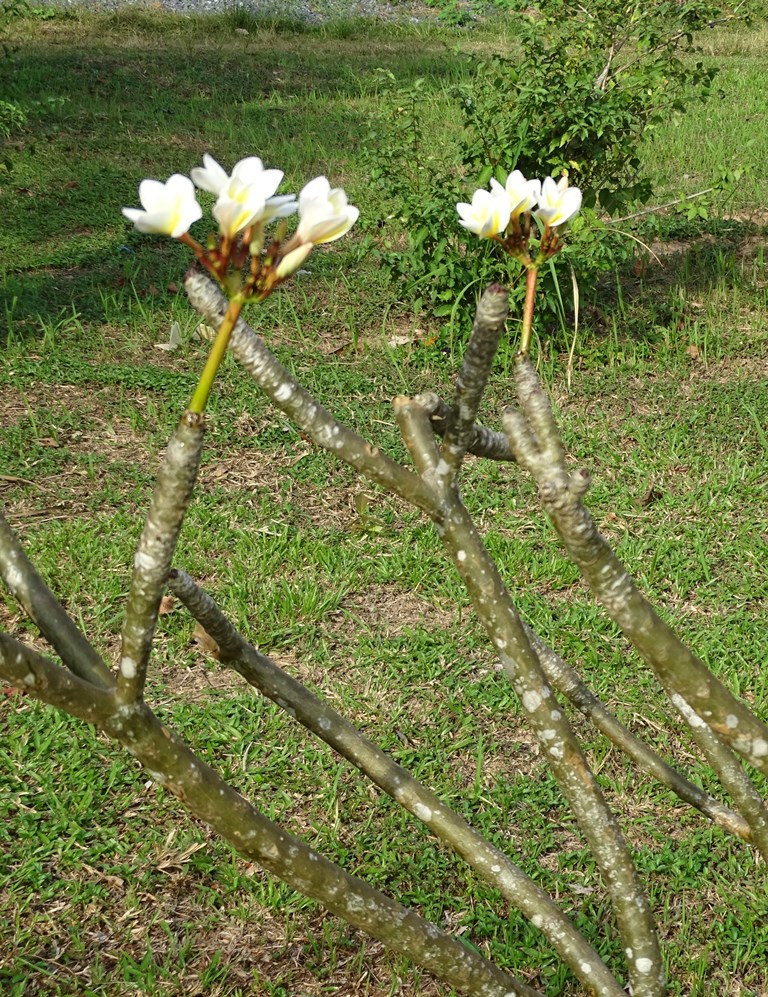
(503, 212)
(246, 201)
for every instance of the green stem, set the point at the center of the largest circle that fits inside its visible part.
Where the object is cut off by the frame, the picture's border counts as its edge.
(203, 389)
(530, 298)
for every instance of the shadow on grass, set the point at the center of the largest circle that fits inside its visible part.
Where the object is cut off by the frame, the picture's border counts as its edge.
(688, 266)
(136, 93)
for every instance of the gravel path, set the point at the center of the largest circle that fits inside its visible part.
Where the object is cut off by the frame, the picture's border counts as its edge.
(309, 11)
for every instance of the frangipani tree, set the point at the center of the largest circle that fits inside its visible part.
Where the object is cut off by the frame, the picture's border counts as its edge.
(247, 259)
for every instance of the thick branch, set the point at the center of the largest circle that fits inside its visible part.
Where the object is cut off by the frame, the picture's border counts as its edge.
(494, 867)
(44, 609)
(475, 370)
(693, 687)
(25, 668)
(154, 554)
(558, 742)
(293, 399)
(174, 765)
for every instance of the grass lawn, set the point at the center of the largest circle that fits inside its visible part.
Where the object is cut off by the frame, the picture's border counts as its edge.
(105, 887)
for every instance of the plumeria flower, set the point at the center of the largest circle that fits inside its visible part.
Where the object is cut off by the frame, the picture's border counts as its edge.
(169, 208)
(238, 206)
(558, 202)
(245, 197)
(523, 194)
(324, 214)
(488, 214)
(213, 178)
(280, 206)
(292, 260)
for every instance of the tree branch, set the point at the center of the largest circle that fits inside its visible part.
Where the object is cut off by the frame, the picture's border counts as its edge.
(568, 682)
(293, 399)
(490, 863)
(44, 609)
(481, 442)
(559, 745)
(475, 370)
(692, 687)
(154, 554)
(26, 669)
(204, 793)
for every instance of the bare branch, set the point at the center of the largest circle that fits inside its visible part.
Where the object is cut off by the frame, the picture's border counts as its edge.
(488, 326)
(558, 743)
(154, 554)
(44, 609)
(482, 442)
(568, 682)
(293, 399)
(174, 765)
(692, 687)
(397, 782)
(25, 668)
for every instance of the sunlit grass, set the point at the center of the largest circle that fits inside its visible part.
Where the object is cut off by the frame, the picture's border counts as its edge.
(104, 885)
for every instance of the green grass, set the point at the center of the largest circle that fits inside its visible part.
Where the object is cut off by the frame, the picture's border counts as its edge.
(105, 887)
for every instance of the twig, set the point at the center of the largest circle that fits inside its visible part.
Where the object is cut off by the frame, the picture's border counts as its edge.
(658, 207)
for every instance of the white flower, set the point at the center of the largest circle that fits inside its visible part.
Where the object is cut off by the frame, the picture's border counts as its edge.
(238, 206)
(169, 208)
(293, 260)
(243, 198)
(523, 194)
(279, 207)
(488, 214)
(324, 214)
(213, 178)
(558, 202)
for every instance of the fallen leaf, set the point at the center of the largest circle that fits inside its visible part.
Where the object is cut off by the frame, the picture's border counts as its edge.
(693, 351)
(408, 340)
(174, 340)
(167, 604)
(652, 495)
(204, 642)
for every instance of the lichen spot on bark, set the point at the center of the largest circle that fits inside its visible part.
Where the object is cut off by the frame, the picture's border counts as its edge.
(128, 668)
(144, 561)
(422, 812)
(644, 965)
(759, 747)
(531, 700)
